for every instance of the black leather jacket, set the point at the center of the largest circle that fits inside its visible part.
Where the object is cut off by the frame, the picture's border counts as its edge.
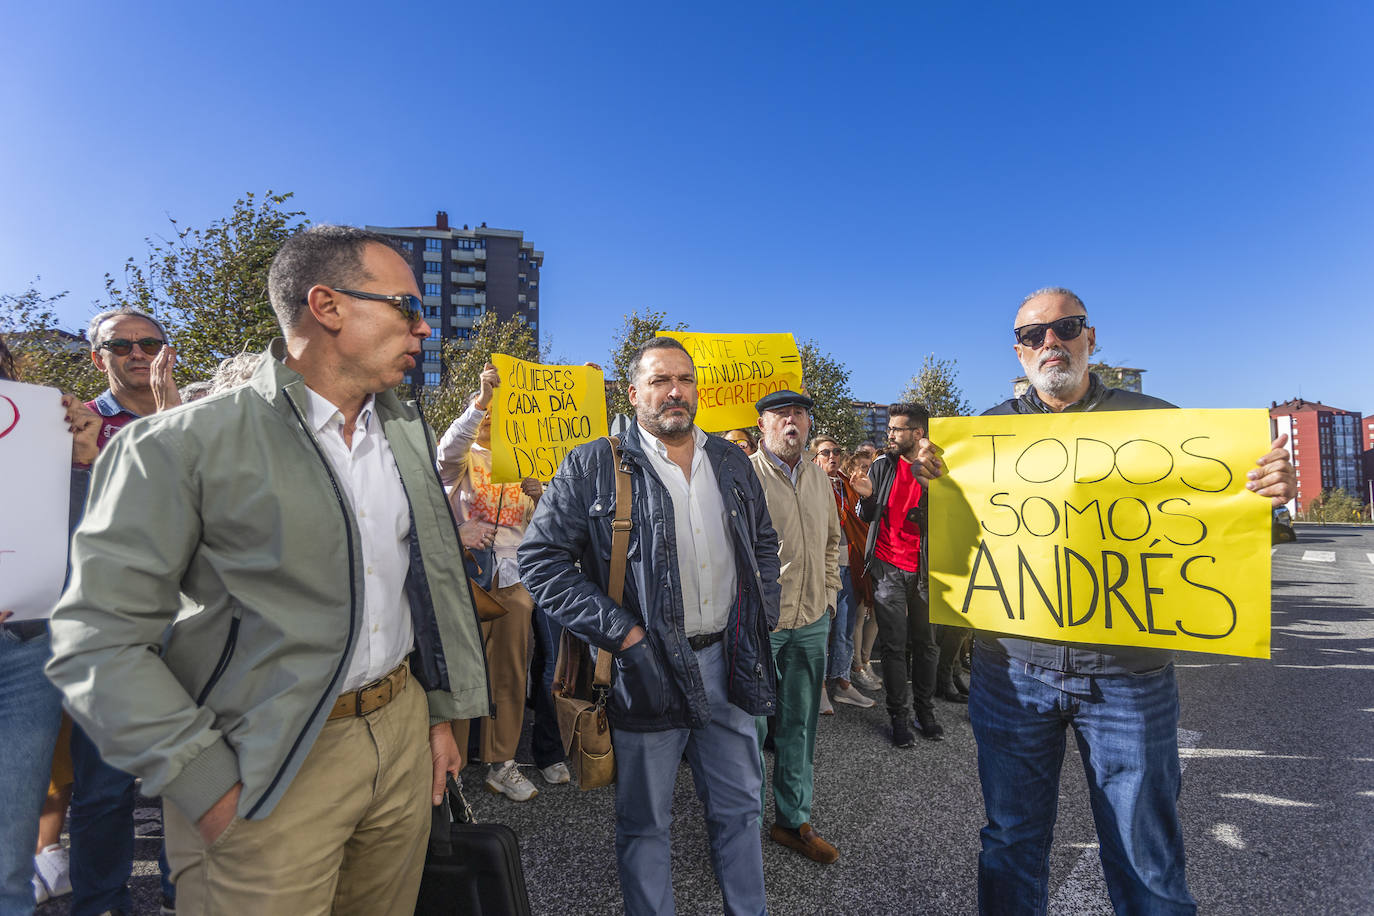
(1080, 658)
(565, 562)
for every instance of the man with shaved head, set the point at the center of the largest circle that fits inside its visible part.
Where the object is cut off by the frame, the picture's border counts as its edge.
(1122, 701)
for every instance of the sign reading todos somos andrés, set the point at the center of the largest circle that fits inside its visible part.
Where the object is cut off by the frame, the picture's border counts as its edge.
(1129, 528)
(539, 414)
(735, 370)
(35, 489)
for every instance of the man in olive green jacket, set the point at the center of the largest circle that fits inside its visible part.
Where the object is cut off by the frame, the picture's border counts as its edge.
(802, 507)
(268, 618)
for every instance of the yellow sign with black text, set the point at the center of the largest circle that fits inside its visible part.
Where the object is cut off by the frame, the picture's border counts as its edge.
(1128, 528)
(735, 370)
(539, 414)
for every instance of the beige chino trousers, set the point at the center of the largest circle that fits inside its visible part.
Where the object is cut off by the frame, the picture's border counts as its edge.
(348, 837)
(508, 663)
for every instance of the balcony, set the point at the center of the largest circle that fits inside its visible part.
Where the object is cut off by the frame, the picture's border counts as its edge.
(462, 321)
(463, 297)
(471, 279)
(479, 297)
(432, 300)
(520, 298)
(428, 345)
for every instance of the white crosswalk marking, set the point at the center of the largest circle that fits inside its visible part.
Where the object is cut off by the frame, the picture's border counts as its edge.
(1319, 556)
(1371, 557)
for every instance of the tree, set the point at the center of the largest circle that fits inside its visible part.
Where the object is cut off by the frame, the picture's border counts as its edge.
(463, 365)
(827, 383)
(44, 353)
(934, 388)
(209, 286)
(1335, 506)
(633, 333)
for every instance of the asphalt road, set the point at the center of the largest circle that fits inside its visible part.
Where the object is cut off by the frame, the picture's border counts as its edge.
(1277, 807)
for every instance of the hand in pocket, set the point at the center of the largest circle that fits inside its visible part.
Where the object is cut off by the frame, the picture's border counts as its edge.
(638, 688)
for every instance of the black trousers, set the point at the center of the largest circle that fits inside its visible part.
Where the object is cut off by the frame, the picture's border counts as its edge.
(904, 621)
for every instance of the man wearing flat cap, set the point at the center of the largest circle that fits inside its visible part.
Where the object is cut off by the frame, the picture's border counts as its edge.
(802, 507)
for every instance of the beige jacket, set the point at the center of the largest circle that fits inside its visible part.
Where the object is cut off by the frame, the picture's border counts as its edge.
(808, 526)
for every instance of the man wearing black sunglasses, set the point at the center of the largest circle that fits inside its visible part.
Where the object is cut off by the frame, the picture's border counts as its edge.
(297, 724)
(1122, 701)
(130, 347)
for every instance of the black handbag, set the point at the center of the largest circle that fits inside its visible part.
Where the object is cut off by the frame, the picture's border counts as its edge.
(471, 869)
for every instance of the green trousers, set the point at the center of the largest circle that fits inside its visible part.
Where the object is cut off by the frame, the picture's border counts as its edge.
(799, 656)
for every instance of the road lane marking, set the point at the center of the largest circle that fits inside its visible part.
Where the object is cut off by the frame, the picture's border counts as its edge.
(1371, 557)
(1319, 556)
(1274, 801)
(1227, 835)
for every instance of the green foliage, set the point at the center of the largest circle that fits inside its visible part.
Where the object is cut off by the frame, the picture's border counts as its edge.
(44, 354)
(827, 383)
(633, 334)
(1335, 506)
(935, 388)
(463, 365)
(209, 286)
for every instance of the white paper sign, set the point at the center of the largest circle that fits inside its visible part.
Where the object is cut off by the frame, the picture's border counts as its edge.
(35, 489)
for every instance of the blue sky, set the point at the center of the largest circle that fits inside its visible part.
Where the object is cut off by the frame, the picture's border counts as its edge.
(889, 180)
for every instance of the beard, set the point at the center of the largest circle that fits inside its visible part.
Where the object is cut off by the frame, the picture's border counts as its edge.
(894, 450)
(779, 444)
(1057, 381)
(658, 422)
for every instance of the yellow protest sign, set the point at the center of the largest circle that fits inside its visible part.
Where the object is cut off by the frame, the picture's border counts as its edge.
(735, 370)
(539, 414)
(1129, 528)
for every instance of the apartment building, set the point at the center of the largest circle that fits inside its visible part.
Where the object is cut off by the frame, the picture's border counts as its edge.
(466, 273)
(1327, 447)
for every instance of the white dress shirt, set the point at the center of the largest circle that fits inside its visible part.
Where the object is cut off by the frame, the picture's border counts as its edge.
(369, 478)
(705, 556)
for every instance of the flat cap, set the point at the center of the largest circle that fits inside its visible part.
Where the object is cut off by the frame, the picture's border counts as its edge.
(783, 399)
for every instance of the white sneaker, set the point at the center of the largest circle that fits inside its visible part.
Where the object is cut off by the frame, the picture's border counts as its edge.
(826, 708)
(555, 774)
(849, 694)
(52, 871)
(865, 678)
(506, 779)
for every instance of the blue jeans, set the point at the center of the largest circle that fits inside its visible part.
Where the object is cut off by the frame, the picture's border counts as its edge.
(102, 831)
(1127, 732)
(546, 744)
(30, 715)
(841, 646)
(724, 756)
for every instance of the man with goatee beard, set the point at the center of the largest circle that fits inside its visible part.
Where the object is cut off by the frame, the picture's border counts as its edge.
(690, 637)
(802, 507)
(895, 554)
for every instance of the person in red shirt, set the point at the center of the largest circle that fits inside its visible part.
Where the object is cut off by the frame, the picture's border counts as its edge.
(895, 557)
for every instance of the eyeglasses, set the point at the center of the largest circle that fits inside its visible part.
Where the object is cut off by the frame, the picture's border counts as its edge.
(409, 306)
(901, 429)
(1033, 335)
(121, 347)
(827, 452)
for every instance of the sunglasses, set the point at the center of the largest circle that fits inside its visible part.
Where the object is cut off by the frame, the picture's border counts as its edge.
(409, 306)
(827, 452)
(121, 347)
(1033, 335)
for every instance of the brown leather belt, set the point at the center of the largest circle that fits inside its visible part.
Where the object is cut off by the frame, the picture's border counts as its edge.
(705, 639)
(371, 697)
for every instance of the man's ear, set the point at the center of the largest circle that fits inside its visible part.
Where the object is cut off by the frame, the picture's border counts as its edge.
(633, 395)
(98, 359)
(323, 304)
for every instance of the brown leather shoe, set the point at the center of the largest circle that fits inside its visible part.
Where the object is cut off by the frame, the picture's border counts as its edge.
(805, 840)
